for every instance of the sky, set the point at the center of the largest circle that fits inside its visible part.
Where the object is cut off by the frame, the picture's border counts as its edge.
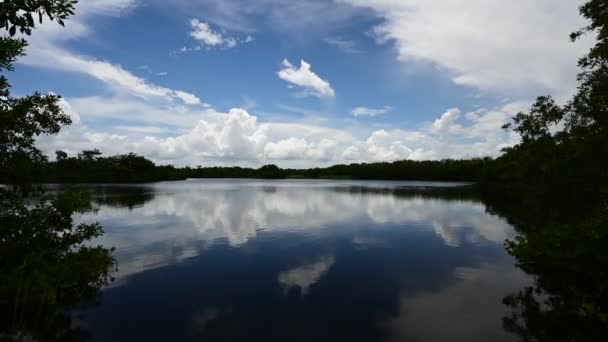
(300, 83)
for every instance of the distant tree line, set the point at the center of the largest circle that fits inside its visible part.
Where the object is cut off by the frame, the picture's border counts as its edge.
(90, 166)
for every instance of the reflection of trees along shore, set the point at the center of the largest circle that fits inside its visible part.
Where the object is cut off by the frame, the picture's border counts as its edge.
(313, 260)
(196, 213)
(46, 267)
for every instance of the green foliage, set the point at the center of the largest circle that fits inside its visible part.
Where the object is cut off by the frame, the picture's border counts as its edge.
(21, 15)
(23, 119)
(536, 124)
(10, 50)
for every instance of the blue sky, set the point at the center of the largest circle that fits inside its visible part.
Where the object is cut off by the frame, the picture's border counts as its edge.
(300, 83)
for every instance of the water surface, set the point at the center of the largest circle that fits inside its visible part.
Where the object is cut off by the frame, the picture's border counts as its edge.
(300, 260)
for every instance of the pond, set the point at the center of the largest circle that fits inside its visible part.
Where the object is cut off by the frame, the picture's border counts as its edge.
(300, 260)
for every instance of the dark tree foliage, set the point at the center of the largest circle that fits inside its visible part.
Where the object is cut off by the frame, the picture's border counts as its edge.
(21, 15)
(23, 119)
(46, 264)
(90, 166)
(562, 177)
(573, 156)
(60, 155)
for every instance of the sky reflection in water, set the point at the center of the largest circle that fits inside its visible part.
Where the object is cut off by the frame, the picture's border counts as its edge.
(299, 260)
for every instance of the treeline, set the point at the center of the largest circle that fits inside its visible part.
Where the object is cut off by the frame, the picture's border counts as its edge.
(90, 166)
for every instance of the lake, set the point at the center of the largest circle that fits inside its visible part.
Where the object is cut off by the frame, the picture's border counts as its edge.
(300, 260)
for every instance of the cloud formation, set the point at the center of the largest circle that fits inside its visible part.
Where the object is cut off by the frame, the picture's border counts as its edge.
(206, 36)
(201, 212)
(46, 50)
(364, 111)
(305, 78)
(174, 126)
(486, 44)
(184, 135)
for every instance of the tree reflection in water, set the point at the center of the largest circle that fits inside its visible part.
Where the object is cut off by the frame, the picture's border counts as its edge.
(47, 266)
(569, 299)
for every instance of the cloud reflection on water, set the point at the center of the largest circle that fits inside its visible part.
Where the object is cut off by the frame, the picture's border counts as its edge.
(183, 218)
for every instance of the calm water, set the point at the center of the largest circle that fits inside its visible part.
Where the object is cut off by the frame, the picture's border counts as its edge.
(298, 261)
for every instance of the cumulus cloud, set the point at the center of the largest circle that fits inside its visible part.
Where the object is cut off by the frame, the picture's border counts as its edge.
(364, 111)
(174, 126)
(202, 32)
(487, 44)
(449, 136)
(184, 135)
(305, 78)
(447, 122)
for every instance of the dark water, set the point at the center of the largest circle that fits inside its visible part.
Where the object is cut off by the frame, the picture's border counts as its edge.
(217, 260)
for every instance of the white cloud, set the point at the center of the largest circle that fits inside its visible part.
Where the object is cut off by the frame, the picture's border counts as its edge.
(205, 35)
(142, 129)
(46, 51)
(364, 111)
(449, 136)
(185, 135)
(291, 148)
(69, 110)
(298, 148)
(115, 76)
(487, 44)
(174, 126)
(447, 122)
(306, 78)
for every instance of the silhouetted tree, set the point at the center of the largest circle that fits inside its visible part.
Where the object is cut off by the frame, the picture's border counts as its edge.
(89, 154)
(45, 264)
(60, 155)
(565, 170)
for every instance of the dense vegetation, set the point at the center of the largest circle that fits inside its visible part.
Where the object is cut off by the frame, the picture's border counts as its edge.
(46, 264)
(562, 177)
(90, 166)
